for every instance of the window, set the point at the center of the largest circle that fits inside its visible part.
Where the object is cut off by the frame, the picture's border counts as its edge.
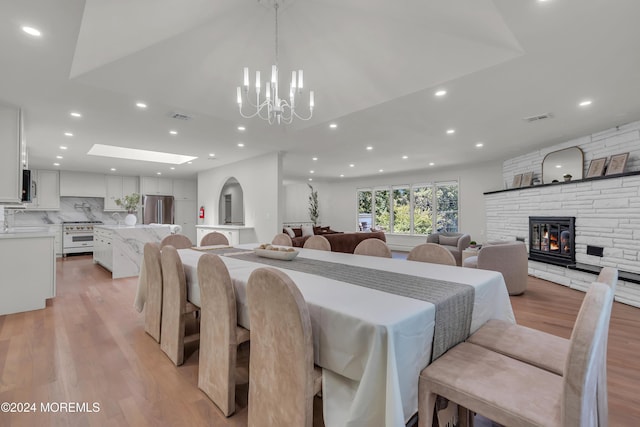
(409, 209)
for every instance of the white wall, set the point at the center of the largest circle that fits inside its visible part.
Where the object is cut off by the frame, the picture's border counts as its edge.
(260, 178)
(338, 205)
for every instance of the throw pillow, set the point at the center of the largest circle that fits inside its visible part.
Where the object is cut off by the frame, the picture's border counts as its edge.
(448, 240)
(290, 232)
(307, 230)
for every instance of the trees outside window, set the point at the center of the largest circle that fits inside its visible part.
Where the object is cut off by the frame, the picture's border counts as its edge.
(417, 209)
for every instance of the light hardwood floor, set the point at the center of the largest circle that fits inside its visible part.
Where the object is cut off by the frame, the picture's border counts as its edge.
(89, 346)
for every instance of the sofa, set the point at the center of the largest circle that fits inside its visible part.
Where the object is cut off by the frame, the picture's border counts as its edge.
(454, 242)
(340, 242)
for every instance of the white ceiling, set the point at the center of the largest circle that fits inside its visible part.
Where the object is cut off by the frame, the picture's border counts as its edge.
(374, 66)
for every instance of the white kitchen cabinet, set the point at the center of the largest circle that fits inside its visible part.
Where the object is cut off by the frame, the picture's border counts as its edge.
(82, 184)
(185, 189)
(45, 191)
(10, 161)
(103, 247)
(117, 187)
(185, 213)
(156, 186)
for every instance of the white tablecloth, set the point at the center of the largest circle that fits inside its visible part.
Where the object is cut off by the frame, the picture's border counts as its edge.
(371, 345)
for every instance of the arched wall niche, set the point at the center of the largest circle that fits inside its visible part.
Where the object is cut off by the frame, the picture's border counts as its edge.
(231, 203)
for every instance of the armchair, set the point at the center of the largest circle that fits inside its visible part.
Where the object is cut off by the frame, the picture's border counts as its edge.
(509, 258)
(454, 242)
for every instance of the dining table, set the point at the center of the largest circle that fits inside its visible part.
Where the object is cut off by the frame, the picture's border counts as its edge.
(372, 333)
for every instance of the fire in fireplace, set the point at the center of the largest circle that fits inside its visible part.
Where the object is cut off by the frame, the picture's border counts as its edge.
(552, 239)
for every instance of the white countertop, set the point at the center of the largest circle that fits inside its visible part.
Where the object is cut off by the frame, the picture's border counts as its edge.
(27, 234)
(225, 227)
(123, 226)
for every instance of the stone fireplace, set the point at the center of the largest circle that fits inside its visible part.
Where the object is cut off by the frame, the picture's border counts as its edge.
(552, 239)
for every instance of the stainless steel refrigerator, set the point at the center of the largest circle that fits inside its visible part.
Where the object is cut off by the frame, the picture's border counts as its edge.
(157, 210)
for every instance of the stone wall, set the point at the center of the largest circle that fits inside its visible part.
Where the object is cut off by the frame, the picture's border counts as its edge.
(607, 210)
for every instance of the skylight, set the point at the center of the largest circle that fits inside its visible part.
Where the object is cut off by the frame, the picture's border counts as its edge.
(136, 154)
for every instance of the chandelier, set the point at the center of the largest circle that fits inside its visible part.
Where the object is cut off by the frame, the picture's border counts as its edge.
(272, 108)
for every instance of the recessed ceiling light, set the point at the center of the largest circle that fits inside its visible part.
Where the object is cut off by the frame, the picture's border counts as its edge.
(141, 105)
(380, 170)
(431, 164)
(441, 92)
(310, 179)
(369, 148)
(405, 157)
(212, 154)
(558, 166)
(333, 125)
(450, 131)
(31, 31)
(241, 128)
(136, 154)
(189, 163)
(56, 164)
(479, 145)
(158, 173)
(312, 171)
(68, 134)
(75, 114)
(341, 175)
(173, 132)
(172, 168)
(59, 157)
(63, 147)
(112, 169)
(352, 165)
(240, 144)
(314, 159)
(585, 103)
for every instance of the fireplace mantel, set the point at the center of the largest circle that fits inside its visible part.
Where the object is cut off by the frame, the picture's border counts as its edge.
(575, 181)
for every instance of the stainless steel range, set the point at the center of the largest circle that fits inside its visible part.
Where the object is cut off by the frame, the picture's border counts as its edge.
(77, 237)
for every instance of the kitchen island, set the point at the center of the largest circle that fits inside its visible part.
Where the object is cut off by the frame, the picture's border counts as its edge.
(28, 266)
(120, 248)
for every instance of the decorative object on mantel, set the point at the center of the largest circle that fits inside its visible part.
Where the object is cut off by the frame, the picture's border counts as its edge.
(596, 167)
(130, 204)
(617, 164)
(517, 181)
(527, 179)
(313, 205)
(559, 163)
(567, 177)
(274, 108)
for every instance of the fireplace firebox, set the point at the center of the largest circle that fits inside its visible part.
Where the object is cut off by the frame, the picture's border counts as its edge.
(552, 239)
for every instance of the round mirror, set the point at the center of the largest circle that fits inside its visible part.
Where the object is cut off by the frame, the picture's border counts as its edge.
(563, 165)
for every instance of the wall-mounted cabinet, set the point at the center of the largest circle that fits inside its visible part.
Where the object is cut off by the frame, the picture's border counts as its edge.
(81, 184)
(10, 161)
(45, 191)
(117, 187)
(156, 186)
(185, 189)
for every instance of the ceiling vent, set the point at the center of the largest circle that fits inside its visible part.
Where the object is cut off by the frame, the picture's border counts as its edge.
(538, 117)
(179, 116)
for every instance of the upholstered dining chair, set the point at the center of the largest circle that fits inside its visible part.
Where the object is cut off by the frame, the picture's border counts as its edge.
(543, 350)
(511, 392)
(317, 242)
(214, 238)
(282, 239)
(373, 247)
(433, 253)
(174, 306)
(220, 334)
(153, 278)
(178, 241)
(282, 376)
